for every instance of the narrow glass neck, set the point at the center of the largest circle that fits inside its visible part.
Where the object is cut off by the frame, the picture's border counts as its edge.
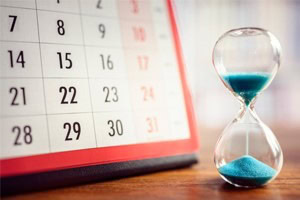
(247, 114)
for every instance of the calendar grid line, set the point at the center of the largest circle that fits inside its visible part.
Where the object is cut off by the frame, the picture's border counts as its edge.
(83, 78)
(87, 68)
(44, 91)
(142, 47)
(156, 109)
(81, 13)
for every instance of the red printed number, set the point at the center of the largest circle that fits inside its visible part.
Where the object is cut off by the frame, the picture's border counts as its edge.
(135, 6)
(143, 62)
(148, 93)
(152, 125)
(139, 34)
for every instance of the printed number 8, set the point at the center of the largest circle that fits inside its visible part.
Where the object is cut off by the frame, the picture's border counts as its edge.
(60, 27)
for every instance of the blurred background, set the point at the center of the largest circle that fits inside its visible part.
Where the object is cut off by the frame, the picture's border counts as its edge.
(202, 22)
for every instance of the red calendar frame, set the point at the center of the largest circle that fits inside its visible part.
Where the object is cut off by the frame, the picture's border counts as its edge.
(105, 155)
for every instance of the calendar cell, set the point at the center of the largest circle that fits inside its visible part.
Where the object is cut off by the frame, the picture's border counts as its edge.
(163, 36)
(105, 63)
(158, 10)
(147, 94)
(135, 9)
(67, 96)
(18, 3)
(18, 25)
(110, 95)
(178, 123)
(173, 93)
(169, 65)
(104, 8)
(143, 64)
(23, 136)
(169, 69)
(20, 60)
(152, 126)
(103, 32)
(71, 132)
(59, 5)
(114, 129)
(138, 35)
(59, 28)
(22, 97)
(63, 61)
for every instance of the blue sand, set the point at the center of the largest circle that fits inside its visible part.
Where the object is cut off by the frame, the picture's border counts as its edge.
(247, 171)
(247, 85)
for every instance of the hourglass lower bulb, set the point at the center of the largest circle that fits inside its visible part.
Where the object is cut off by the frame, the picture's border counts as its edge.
(247, 153)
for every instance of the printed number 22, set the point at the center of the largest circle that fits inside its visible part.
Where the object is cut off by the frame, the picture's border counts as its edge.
(65, 91)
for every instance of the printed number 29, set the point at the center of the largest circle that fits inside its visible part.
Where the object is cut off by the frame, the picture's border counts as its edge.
(75, 127)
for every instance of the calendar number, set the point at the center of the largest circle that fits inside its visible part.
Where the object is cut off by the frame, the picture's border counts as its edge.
(60, 27)
(111, 94)
(99, 6)
(75, 128)
(135, 6)
(19, 60)
(27, 138)
(143, 62)
(115, 127)
(101, 29)
(14, 20)
(18, 93)
(148, 93)
(72, 91)
(139, 33)
(152, 124)
(107, 63)
(67, 60)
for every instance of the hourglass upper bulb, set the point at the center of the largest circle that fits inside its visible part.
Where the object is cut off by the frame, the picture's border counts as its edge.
(247, 59)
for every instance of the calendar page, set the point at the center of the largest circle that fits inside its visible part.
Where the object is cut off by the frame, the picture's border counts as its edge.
(86, 82)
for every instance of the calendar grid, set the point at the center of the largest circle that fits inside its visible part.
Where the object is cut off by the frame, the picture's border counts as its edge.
(47, 121)
(77, 34)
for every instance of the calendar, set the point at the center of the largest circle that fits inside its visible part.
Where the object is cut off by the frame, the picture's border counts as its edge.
(88, 85)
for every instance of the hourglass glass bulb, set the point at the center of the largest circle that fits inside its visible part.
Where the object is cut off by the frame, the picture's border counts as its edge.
(247, 154)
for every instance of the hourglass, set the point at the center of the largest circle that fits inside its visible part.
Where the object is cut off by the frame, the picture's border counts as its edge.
(247, 153)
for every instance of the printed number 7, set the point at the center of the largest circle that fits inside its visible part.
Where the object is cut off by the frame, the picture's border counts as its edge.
(13, 22)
